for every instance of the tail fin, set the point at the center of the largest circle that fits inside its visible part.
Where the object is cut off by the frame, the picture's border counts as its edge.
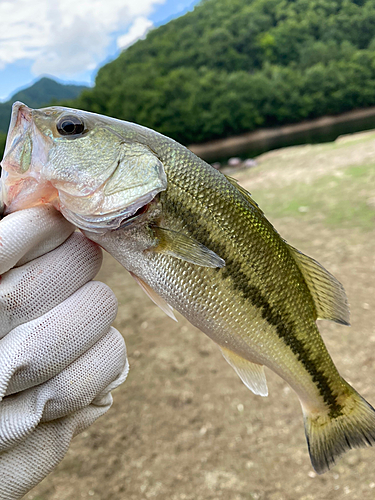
(330, 437)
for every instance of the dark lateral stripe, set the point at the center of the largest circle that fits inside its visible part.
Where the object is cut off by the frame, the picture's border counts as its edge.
(286, 330)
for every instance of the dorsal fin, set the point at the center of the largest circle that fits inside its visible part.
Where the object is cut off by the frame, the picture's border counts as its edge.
(251, 374)
(244, 193)
(247, 196)
(327, 292)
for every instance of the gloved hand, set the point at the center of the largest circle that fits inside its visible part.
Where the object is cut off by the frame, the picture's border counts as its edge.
(59, 357)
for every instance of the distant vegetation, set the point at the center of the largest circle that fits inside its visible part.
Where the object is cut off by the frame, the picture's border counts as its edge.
(43, 92)
(2, 144)
(231, 66)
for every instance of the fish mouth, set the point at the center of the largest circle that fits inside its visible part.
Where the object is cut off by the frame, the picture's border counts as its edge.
(21, 185)
(20, 123)
(26, 192)
(111, 221)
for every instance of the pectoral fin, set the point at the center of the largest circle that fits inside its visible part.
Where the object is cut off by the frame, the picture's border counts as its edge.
(156, 299)
(327, 292)
(183, 247)
(251, 374)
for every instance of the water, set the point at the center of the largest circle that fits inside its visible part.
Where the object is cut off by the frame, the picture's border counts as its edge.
(280, 139)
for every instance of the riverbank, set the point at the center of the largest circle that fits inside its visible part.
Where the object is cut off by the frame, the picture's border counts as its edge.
(324, 129)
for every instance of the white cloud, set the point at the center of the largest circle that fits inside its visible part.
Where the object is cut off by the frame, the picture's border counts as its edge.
(138, 30)
(67, 37)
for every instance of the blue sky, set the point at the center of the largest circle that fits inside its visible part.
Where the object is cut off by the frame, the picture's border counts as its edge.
(70, 39)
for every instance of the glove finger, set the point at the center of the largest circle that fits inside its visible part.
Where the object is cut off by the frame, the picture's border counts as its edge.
(27, 234)
(36, 351)
(89, 378)
(30, 291)
(114, 384)
(71, 390)
(25, 465)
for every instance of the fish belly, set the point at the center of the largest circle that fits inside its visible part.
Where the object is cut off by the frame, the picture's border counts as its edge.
(245, 324)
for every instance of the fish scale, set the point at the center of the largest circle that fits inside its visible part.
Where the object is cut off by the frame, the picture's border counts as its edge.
(243, 283)
(195, 241)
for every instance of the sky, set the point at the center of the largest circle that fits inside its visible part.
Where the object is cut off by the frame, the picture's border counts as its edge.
(69, 40)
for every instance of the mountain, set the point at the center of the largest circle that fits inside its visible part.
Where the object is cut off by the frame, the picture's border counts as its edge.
(231, 66)
(42, 93)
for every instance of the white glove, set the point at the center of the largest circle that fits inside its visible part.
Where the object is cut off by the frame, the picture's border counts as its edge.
(59, 357)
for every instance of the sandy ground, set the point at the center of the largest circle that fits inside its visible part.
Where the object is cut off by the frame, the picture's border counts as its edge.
(184, 427)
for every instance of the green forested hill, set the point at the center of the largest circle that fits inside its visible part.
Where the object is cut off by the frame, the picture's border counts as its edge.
(41, 93)
(45, 91)
(233, 65)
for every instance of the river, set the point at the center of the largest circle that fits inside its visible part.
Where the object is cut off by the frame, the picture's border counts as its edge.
(324, 129)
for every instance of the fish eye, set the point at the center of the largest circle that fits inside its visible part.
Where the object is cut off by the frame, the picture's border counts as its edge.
(70, 125)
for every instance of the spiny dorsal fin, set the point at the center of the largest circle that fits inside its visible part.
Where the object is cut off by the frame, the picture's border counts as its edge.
(244, 193)
(156, 299)
(247, 196)
(327, 292)
(183, 247)
(251, 374)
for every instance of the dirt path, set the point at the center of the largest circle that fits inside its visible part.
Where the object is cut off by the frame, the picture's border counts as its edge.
(184, 427)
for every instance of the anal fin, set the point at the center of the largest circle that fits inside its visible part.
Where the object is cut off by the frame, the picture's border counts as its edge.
(251, 374)
(156, 299)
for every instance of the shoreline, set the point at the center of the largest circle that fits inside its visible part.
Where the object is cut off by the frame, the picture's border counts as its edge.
(224, 147)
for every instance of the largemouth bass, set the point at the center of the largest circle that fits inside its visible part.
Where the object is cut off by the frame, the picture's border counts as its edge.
(196, 242)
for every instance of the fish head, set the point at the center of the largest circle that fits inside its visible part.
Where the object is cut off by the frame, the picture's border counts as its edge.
(98, 171)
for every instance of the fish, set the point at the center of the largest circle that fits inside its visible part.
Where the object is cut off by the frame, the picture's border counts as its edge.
(196, 242)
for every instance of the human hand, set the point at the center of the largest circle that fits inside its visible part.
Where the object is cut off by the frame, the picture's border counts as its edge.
(59, 356)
